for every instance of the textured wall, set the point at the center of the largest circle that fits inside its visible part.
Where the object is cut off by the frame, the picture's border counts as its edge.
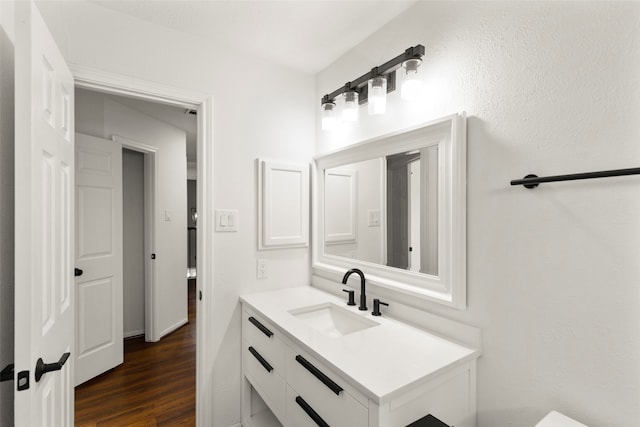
(553, 273)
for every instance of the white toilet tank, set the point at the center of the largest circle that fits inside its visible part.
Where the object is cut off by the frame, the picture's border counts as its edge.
(556, 419)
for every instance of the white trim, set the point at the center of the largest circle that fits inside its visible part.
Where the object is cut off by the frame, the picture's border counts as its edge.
(102, 81)
(204, 265)
(131, 334)
(90, 78)
(174, 327)
(151, 309)
(448, 287)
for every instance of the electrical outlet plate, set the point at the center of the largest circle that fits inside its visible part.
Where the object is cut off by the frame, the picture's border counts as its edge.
(262, 269)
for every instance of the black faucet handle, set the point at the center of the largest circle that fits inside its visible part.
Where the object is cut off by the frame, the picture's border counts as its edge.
(352, 296)
(376, 307)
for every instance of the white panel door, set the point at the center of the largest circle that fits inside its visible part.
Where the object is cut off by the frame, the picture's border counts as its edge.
(44, 295)
(99, 305)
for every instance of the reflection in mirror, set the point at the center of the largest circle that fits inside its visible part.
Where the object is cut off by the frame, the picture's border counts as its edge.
(395, 207)
(385, 210)
(412, 210)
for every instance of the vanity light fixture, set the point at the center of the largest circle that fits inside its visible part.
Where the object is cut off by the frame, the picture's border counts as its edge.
(372, 88)
(411, 83)
(329, 119)
(377, 91)
(350, 105)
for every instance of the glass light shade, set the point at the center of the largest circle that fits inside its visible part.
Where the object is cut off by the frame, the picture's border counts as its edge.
(329, 116)
(377, 97)
(350, 106)
(411, 88)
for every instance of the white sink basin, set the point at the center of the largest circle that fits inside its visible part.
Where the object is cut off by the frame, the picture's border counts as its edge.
(332, 320)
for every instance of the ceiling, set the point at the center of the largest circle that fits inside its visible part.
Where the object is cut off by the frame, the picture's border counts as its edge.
(306, 35)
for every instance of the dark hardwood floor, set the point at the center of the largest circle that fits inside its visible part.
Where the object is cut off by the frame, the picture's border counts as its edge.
(155, 386)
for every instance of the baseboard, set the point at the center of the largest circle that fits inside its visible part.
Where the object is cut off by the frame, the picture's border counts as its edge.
(174, 327)
(134, 334)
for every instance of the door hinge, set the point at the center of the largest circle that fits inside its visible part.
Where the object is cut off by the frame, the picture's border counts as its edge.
(23, 380)
(200, 295)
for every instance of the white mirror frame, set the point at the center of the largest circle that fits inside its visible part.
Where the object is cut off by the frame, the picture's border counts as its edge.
(449, 286)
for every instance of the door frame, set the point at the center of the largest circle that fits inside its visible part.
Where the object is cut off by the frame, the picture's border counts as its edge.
(151, 333)
(116, 84)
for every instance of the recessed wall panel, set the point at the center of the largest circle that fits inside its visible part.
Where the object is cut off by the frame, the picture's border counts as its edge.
(94, 235)
(64, 275)
(65, 113)
(47, 91)
(47, 212)
(288, 200)
(95, 316)
(93, 162)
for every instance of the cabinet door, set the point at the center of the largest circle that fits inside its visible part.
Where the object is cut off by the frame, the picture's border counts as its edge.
(267, 382)
(322, 390)
(263, 336)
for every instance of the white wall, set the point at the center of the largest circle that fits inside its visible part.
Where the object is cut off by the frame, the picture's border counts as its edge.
(261, 111)
(549, 88)
(133, 242)
(7, 206)
(99, 115)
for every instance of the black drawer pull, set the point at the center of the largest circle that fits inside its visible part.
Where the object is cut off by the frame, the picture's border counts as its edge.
(319, 375)
(260, 326)
(263, 362)
(312, 414)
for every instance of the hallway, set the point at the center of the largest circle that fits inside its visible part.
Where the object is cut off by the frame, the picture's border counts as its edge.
(155, 386)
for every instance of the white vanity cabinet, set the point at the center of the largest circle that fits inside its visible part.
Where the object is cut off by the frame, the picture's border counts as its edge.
(390, 376)
(263, 361)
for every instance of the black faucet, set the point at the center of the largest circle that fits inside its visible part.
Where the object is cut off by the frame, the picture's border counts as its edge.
(363, 296)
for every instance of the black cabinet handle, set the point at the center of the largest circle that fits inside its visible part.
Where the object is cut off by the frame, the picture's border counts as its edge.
(312, 414)
(260, 326)
(319, 375)
(42, 368)
(77, 272)
(261, 359)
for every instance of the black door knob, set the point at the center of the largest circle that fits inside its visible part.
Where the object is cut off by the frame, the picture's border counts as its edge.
(42, 368)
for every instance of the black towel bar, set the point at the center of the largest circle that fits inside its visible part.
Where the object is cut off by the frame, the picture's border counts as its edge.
(532, 181)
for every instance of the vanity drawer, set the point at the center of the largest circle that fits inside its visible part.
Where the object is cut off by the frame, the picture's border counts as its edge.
(304, 410)
(324, 391)
(264, 378)
(261, 335)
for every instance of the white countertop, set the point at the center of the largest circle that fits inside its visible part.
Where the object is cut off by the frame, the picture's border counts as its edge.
(381, 362)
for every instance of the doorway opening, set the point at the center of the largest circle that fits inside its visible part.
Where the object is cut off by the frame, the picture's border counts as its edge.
(140, 90)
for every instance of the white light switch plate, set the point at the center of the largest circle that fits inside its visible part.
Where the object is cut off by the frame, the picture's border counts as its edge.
(373, 218)
(226, 220)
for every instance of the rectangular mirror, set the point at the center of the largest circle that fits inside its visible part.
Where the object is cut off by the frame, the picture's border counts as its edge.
(395, 207)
